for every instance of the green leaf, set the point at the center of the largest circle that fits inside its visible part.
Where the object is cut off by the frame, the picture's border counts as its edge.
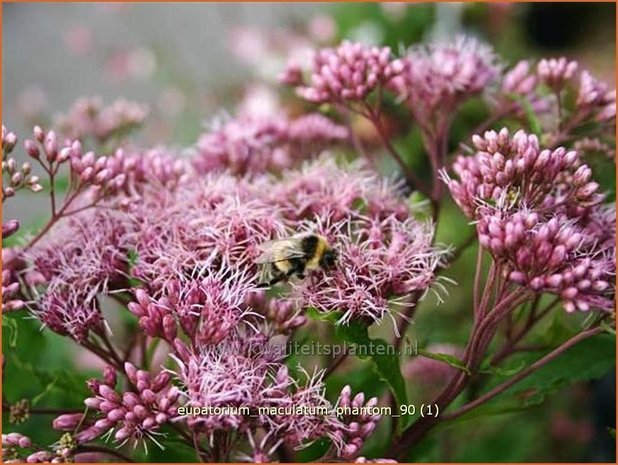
(612, 432)
(608, 328)
(488, 369)
(35, 400)
(446, 358)
(419, 206)
(362, 379)
(314, 451)
(11, 324)
(588, 360)
(132, 259)
(382, 354)
(315, 315)
(63, 381)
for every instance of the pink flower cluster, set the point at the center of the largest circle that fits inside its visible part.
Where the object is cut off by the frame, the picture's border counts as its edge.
(349, 72)
(257, 145)
(519, 79)
(243, 373)
(515, 169)
(134, 414)
(106, 175)
(356, 428)
(283, 315)
(593, 98)
(12, 267)
(18, 448)
(596, 98)
(17, 177)
(208, 260)
(556, 72)
(381, 262)
(75, 272)
(207, 308)
(16, 444)
(90, 118)
(191, 242)
(439, 76)
(540, 213)
(323, 190)
(555, 255)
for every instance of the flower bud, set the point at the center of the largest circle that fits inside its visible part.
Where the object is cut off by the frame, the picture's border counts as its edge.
(51, 146)
(31, 149)
(64, 154)
(9, 228)
(67, 422)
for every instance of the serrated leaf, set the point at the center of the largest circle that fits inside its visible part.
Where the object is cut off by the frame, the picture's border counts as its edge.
(446, 358)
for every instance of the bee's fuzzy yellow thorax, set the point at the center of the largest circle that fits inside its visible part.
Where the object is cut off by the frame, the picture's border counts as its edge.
(314, 262)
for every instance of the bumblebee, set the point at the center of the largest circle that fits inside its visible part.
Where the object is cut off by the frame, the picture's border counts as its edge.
(295, 255)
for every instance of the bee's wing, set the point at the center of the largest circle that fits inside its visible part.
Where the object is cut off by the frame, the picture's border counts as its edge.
(279, 250)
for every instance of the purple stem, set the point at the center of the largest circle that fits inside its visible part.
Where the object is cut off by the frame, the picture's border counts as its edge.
(521, 375)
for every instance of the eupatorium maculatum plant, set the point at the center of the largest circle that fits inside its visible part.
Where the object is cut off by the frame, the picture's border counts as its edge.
(170, 242)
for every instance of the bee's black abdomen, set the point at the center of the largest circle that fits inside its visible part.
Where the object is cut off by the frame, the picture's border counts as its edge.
(309, 245)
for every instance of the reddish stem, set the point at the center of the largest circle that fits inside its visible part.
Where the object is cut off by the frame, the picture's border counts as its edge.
(412, 179)
(521, 375)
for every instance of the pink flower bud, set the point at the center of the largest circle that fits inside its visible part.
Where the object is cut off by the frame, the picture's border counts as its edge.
(102, 176)
(149, 423)
(24, 442)
(67, 422)
(39, 134)
(130, 399)
(9, 228)
(161, 380)
(86, 174)
(51, 146)
(131, 372)
(148, 396)
(108, 393)
(31, 149)
(116, 415)
(109, 376)
(358, 400)
(182, 350)
(92, 403)
(103, 424)
(122, 434)
(64, 154)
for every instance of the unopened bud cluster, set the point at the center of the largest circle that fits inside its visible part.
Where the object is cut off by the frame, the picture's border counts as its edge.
(133, 414)
(347, 73)
(355, 429)
(541, 216)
